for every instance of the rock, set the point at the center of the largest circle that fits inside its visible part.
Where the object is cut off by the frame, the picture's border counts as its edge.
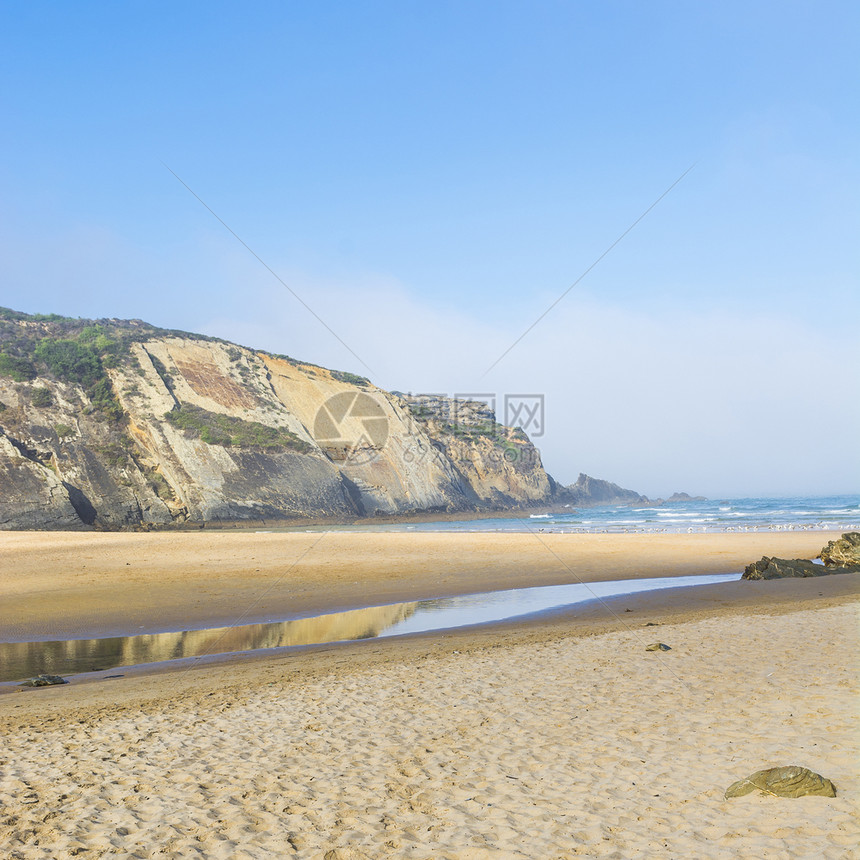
(589, 492)
(845, 551)
(784, 568)
(790, 781)
(658, 646)
(43, 681)
(839, 556)
(676, 498)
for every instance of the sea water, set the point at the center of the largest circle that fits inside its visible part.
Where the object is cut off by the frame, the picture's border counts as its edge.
(826, 513)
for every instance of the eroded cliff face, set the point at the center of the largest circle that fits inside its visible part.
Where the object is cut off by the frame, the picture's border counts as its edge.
(495, 465)
(116, 424)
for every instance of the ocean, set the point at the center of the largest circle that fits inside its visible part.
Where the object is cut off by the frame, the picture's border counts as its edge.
(841, 513)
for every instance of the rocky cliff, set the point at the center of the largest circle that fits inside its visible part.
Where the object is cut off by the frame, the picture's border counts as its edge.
(590, 492)
(115, 423)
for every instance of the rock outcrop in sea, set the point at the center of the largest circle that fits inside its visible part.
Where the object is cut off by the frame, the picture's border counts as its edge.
(594, 491)
(118, 424)
(590, 492)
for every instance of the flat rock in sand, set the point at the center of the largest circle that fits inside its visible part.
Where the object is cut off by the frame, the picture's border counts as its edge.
(789, 781)
(44, 681)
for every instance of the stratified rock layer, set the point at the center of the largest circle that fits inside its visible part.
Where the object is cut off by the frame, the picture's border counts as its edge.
(117, 424)
(845, 550)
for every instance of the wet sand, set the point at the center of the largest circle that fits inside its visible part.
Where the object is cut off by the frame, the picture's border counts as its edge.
(58, 585)
(554, 739)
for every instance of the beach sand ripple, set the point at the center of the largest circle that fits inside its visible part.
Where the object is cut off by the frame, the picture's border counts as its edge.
(570, 747)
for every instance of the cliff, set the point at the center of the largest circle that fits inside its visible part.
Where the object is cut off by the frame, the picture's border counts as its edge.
(590, 492)
(117, 424)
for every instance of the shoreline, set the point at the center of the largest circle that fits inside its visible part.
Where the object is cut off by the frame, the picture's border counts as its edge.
(596, 617)
(551, 736)
(67, 585)
(156, 682)
(524, 512)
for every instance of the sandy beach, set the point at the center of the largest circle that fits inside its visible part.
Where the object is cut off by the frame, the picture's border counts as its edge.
(56, 585)
(559, 738)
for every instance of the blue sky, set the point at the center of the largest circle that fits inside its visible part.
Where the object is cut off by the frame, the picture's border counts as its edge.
(429, 177)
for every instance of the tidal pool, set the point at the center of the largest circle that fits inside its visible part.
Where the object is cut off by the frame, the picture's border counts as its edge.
(19, 660)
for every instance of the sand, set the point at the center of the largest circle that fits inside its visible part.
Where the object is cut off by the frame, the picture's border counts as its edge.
(557, 739)
(57, 585)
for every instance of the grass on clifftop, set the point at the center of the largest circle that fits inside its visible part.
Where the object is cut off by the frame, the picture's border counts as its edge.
(215, 429)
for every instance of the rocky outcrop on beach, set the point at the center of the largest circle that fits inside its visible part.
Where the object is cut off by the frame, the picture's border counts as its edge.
(839, 556)
(844, 551)
(783, 568)
(118, 424)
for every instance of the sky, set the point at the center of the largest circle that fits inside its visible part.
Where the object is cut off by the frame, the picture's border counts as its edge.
(428, 178)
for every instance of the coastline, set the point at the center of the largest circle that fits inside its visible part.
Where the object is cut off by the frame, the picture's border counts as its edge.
(558, 738)
(557, 735)
(62, 585)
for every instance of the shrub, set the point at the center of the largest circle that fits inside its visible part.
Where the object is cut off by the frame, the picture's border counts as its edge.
(63, 430)
(351, 378)
(41, 397)
(112, 454)
(70, 360)
(16, 368)
(9, 314)
(103, 400)
(160, 486)
(216, 429)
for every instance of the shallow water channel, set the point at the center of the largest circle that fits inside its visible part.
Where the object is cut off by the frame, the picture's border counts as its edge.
(20, 660)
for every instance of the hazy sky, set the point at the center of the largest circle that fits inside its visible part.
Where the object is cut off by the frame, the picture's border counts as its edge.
(430, 176)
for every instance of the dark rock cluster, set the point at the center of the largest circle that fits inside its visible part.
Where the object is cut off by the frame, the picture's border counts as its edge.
(839, 556)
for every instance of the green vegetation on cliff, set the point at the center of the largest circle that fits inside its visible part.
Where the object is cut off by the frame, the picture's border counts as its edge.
(215, 429)
(350, 378)
(16, 368)
(75, 351)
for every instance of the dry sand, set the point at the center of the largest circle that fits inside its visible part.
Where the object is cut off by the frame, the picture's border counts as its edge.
(557, 739)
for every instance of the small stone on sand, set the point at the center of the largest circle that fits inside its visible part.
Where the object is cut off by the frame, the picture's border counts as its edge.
(789, 781)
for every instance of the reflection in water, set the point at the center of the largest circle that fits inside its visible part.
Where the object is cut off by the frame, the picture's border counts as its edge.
(24, 659)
